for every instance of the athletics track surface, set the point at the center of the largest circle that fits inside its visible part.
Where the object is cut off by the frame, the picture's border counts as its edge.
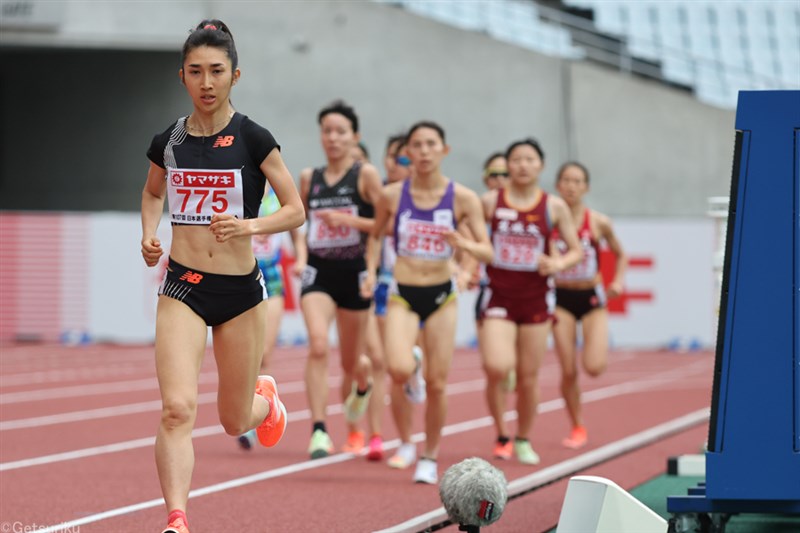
(77, 427)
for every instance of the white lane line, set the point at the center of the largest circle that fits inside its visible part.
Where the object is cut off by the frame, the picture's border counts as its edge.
(77, 391)
(211, 489)
(92, 414)
(454, 388)
(609, 451)
(565, 468)
(94, 372)
(97, 450)
(206, 431)
(124, 364)
(71, 374)
(127, 409)
(627, 443)
(155, 405)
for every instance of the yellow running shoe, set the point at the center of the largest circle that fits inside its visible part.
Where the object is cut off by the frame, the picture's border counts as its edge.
(356, 404)
(320, 445)
(510, 382)
(524, 452)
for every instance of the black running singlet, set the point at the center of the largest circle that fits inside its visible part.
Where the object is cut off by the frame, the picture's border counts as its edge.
(216, 174)
(343, 242)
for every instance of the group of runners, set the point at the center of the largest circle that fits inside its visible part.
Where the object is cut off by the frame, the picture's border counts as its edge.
(383, 259)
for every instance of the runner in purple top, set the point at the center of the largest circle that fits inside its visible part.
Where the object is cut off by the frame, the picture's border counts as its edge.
(413, 227)
(426, 209)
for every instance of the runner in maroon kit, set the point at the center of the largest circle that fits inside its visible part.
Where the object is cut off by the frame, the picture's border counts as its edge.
(580, 296)
(495, 175)
(518, 304)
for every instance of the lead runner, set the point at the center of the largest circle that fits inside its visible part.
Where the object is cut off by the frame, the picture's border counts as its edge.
(213, 165)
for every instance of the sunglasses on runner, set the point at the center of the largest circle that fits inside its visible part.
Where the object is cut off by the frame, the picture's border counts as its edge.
(495, 173)
(402, 160)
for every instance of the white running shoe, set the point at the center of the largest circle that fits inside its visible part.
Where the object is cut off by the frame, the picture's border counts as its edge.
(404, 457)
(426, 472)
(415, 386)
(247, 441)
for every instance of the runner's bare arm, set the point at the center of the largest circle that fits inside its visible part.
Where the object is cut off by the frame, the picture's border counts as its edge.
(153, 196)
(384, 209)
(290, 215)
(562, 218)
(470, 213)
(606, 231)
(369, 187)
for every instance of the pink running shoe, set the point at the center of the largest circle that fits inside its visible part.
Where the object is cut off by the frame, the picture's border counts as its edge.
(178, 525)
(375, 452)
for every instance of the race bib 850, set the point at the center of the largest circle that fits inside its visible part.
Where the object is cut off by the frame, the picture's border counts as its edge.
(321, 235)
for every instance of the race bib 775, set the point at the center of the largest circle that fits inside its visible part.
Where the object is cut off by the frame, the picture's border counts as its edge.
(195, 195)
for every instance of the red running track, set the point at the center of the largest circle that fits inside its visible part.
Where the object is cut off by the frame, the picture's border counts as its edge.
(77, 427)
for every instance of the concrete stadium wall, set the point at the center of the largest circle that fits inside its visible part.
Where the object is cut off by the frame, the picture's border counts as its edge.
(653, 150)
(80, 102)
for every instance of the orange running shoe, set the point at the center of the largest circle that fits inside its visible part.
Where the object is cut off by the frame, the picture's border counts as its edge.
(274, 426)
(355, 442)
(503, 451)
(577, 438)
(178, 525)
